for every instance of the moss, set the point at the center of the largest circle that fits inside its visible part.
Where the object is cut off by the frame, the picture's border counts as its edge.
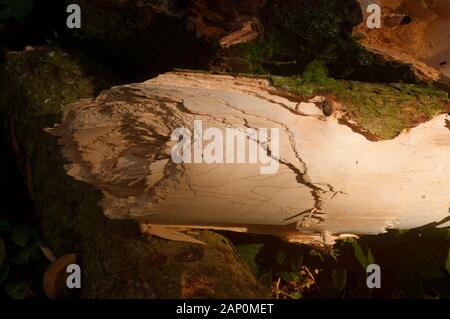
(34, 87)
(318, 30)
(316, 72)
(248, 253)
(156, 268)
(262, 52)
(50, 78)
(382, 109)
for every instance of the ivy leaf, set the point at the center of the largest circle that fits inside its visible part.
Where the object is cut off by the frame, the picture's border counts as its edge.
(21, 235)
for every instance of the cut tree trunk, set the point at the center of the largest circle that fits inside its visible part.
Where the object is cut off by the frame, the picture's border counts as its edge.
(118, 260)
(331, 178)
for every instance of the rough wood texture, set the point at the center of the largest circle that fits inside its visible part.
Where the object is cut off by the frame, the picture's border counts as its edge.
(423, 43)
(118, 261)
(332, 178)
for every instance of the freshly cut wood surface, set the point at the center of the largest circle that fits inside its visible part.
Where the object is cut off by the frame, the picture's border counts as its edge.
(331, 179)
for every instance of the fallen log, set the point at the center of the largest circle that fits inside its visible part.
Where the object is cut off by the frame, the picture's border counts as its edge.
(421, 43)
(166, 152)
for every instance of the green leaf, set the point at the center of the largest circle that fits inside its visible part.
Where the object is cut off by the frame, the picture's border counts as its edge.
(248, 254)
(21, 235)
(4, 272)
(17, 290)
(2, 252)
(370, 257)
(290, 276)
(296, 295)
(339, 278)
(360, 256)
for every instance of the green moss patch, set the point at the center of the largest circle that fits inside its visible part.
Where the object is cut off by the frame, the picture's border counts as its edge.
(35, 86)
(50, 78)
(381, 109)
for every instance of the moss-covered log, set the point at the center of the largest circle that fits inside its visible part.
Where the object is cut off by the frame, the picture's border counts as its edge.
(117, 259)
